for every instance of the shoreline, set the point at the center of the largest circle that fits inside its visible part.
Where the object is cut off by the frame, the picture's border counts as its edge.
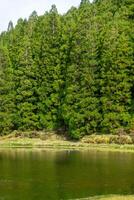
(62, 145)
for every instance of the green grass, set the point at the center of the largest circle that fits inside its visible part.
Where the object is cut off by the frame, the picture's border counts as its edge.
(55, 141)
(61, 144)
(111, 197)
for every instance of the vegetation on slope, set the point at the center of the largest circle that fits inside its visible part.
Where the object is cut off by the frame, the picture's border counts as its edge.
(73, 71)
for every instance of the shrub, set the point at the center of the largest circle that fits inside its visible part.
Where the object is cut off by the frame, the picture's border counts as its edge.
(29, 134)
(108, 139)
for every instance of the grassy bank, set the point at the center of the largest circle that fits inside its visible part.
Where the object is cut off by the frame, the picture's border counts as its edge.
(53, 140)
(112, 197)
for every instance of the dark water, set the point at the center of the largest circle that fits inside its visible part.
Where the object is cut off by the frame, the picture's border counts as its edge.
(54, 175)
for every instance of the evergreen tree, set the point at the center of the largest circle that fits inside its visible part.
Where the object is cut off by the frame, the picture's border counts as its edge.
(115, 82)
(25, 85)
(6, 92)
(10, 26)
(81, 103)
(49, 90)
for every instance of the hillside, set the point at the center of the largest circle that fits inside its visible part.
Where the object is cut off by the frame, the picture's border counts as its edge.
(73, 71)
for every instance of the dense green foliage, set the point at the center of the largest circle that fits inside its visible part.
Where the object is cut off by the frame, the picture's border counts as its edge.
(73, 71)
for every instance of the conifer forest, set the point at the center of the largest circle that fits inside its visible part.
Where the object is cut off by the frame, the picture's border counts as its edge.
(71, 71)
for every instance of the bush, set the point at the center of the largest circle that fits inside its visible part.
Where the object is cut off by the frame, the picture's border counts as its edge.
(29, 134)
(96, 139)
(108, 139)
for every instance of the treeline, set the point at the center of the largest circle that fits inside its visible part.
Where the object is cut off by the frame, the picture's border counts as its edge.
(73, 71)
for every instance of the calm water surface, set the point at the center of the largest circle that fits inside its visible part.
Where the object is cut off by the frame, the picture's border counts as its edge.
(56, 175)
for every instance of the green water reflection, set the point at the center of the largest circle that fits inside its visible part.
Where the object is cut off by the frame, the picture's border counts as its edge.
(56, 175)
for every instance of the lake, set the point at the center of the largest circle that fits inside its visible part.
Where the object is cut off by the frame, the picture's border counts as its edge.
(27, 174)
